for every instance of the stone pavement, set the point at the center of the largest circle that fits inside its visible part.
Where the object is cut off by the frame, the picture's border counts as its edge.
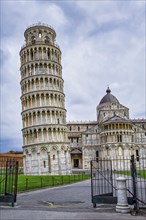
(55, 215)
(62, 203)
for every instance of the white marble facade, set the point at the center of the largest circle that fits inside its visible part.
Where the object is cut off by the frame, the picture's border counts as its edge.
(113, 135)
(46, 148)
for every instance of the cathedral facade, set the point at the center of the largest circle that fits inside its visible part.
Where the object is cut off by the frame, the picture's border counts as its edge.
(113, 135)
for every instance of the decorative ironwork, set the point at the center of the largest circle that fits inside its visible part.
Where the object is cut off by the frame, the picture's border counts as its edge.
(41, 24)
(50, 43)
(104, 173)
(8, 180)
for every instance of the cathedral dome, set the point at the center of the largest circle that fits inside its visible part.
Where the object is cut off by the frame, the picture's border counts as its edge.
(108, 98)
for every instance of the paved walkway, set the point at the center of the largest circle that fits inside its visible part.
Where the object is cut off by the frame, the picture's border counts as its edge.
(61, 203)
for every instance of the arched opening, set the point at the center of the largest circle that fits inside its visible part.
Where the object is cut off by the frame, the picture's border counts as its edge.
(40, 34)
(33, 39)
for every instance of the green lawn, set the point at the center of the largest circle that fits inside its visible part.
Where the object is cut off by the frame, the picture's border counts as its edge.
(26, 183)
(140, 173)
(35, 182)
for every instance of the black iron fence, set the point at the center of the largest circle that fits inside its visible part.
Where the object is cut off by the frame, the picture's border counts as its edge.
(104, 173)
(8, 180)
(37, 182)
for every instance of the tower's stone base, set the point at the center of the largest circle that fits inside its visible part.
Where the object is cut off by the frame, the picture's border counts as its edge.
(47, 160)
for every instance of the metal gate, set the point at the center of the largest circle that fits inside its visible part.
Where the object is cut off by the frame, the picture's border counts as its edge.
(8, 180)
(104, 173)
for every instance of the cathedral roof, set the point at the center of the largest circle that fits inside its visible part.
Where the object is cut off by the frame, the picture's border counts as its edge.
(116, 119)
(108, 98)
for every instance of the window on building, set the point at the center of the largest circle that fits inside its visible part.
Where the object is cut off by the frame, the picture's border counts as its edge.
(120, 152)
(119, 138)
(48, 55)
(44, 163)
(70, 128)
(47, 39)
(137, 155)
(78, 128)
(106, 127)
(53, 157)
(33, 39)
(31, 54)
(97, 155)
(35, 134)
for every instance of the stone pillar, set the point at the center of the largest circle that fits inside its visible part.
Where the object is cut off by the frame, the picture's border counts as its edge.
(122, 205)
(59, 165)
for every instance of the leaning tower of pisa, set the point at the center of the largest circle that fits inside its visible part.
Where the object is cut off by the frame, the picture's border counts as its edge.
(45, 144)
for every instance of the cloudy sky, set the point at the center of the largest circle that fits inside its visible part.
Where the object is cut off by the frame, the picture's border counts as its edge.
(102, 43)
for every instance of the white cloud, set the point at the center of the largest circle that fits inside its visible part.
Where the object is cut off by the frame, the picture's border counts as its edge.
(114, 57)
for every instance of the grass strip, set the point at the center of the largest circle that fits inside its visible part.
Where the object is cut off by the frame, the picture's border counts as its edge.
(140, 173)
(26, 183)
